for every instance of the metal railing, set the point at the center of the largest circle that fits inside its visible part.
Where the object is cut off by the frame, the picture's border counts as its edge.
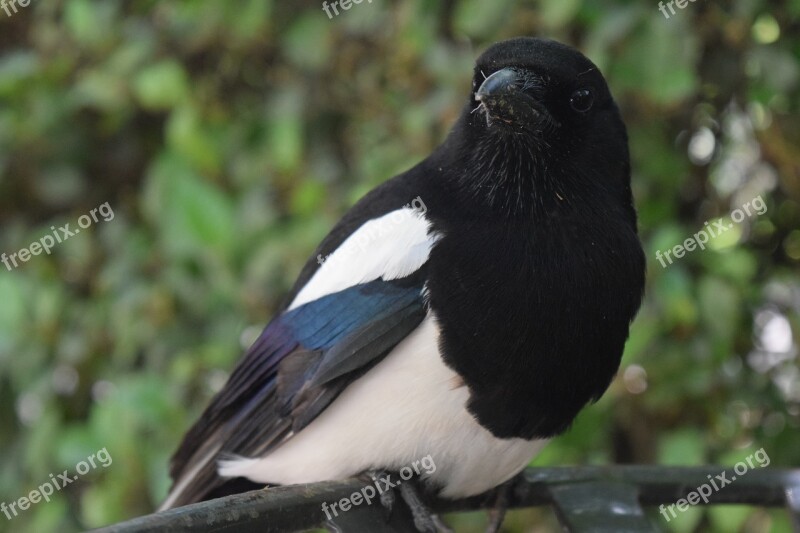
(585, 499)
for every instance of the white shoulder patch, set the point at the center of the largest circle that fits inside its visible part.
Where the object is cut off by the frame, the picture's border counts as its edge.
(390, 247)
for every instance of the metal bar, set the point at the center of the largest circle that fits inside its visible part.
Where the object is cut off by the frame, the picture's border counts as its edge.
(793, 505)
(299, 507)
(656, 484)
(277, 510)
(599, 507)
(375, 519)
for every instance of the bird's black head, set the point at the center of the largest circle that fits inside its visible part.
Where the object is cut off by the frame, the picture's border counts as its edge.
(540, 126)
(538, 87)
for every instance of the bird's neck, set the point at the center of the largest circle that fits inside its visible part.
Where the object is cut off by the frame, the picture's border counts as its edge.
(504, 177)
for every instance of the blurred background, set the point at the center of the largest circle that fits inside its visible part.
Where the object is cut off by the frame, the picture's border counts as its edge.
(228, 137)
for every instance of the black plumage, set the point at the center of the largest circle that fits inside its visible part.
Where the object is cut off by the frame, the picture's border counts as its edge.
(534, 273)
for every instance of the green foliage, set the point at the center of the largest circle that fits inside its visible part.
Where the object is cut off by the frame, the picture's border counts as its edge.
(228, 137)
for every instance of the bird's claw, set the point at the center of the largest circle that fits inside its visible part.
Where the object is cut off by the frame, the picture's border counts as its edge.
(498, 511)
(424, 520)
(387, 497)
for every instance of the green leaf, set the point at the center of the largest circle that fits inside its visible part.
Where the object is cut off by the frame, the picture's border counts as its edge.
(720, 307)
(12, 311)
(729, 517)
(161, 86)
(81, 17)
(684, 447)
(557, 13)
(286, 132)
(308, 198)
(478, 18)
(659, 60)
(308, 42)
(190, 137)
(193, 216)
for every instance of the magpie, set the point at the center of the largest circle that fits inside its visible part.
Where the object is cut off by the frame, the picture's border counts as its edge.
(466, 309)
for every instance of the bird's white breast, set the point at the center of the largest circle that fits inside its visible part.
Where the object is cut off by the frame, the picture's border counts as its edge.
(407, 407)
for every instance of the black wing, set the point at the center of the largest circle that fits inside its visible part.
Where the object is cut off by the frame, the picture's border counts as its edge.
(303, 359)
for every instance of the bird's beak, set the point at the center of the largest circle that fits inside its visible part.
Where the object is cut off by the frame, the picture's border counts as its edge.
(504, 104)
(500, 82)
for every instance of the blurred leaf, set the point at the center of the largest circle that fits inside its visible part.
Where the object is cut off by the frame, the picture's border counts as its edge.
(308, 42)
(308, 198)
(683, 447)
(658, 63)
(12, 313)
(720, 307)
(15, 69)
(161, 86)
(476, 18)
(190, 137)
(558, 13)
(285, 132)
(90, 23)
(729, 517)
(193, 216)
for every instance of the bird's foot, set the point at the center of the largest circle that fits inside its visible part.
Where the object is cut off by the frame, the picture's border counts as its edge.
(498, 511)
(424, 520)
(382, 480)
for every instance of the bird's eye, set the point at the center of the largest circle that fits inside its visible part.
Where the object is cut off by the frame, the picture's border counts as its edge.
(581, 100)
